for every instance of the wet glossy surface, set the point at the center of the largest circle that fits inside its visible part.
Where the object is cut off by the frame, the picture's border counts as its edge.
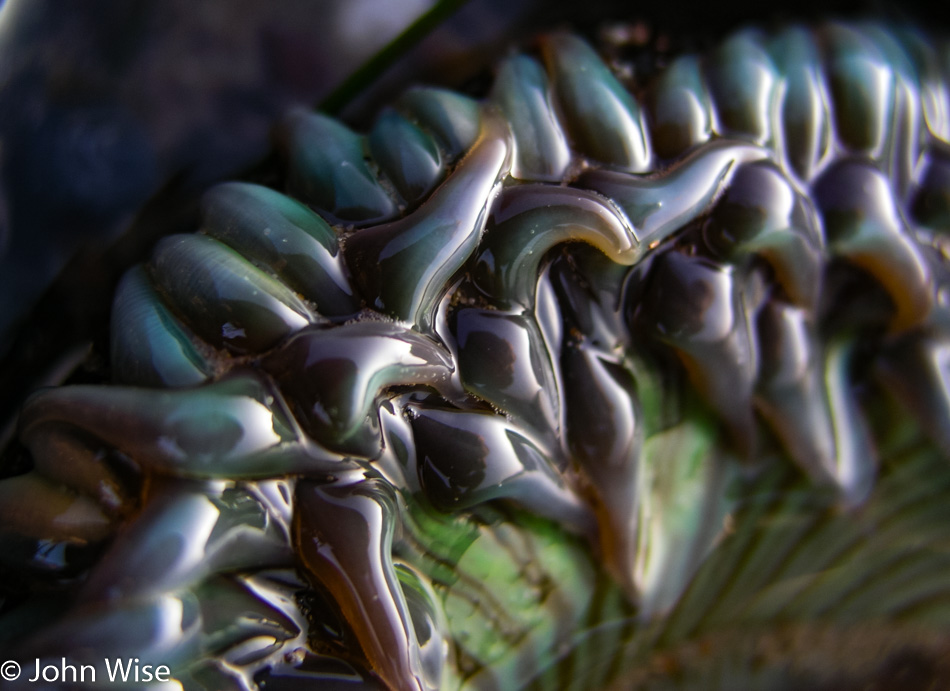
(603, 120)
(743, 84)
(150, 347)
(454, 119)
(502, 360)
(284, 235)
(523, 93)
(530, 220)
(236, 427)
(328, 170)
(863, 225)
(402, 267)
(659, 205)
(223, 295)
(469, 458)
(345, 538)
(805, 108)
(570, 412)
(409, 156)
(680, 108)
(335, 377)
(761, 214)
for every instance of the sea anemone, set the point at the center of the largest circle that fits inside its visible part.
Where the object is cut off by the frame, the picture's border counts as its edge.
(594, 381)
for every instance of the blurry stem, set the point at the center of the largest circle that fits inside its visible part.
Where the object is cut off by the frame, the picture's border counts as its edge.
(376, 65)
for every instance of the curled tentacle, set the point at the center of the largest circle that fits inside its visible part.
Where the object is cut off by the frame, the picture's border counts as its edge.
(345, 538)
(529, 221)
(227, 300)
(698, 308)
(602, 118)
(761, 214)
(402, 267)
(327, 170)
(237, 427)
(467, 458)
(334, 378)
(523, 94)
(150, 347)
(863, 226)
(659, 205)
(283, 234)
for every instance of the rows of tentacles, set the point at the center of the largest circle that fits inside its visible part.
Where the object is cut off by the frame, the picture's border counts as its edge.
(494, 386)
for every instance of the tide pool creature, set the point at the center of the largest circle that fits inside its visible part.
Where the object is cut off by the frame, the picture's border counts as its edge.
(570, 387)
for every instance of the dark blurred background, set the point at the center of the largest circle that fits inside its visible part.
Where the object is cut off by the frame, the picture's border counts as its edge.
(115, 115)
